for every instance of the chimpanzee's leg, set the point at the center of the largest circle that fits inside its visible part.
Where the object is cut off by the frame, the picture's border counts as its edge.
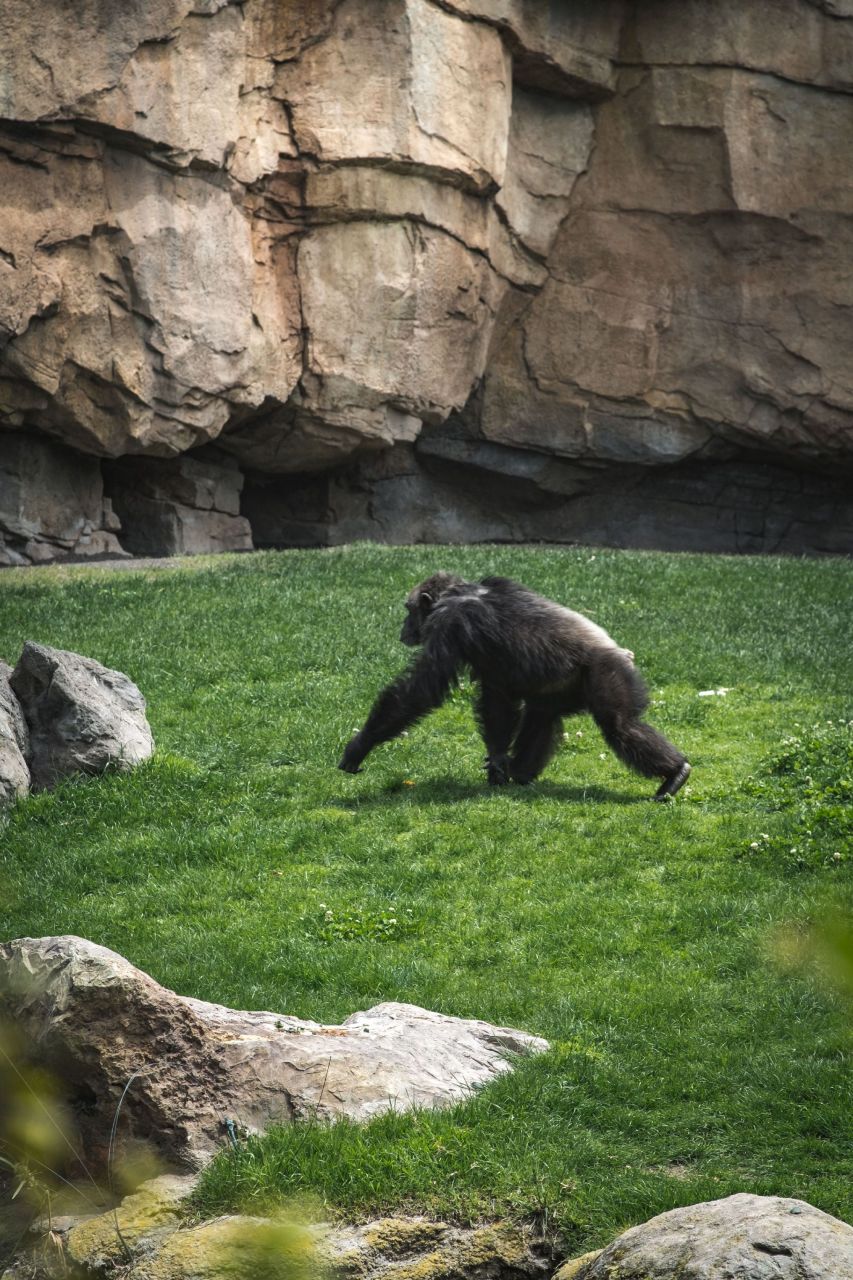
(616, 697)
(497, 715)
(536, 742)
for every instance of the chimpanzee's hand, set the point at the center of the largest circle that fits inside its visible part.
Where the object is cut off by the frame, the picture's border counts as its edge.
(353, 755)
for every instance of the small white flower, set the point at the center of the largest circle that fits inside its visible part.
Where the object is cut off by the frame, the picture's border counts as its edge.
(754, 844)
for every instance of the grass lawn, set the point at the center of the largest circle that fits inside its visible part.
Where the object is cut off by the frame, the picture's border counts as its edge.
(240, 866)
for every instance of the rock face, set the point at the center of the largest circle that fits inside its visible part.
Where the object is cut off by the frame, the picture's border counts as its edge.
(181, 508)
(14, 743)
(92, 1019)
(760, 1237)
(159, 1246)
(607, 236)
(52, 502)
(82, 717)
(744, 1237)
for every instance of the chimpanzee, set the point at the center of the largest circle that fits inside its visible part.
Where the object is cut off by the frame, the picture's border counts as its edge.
(534, 662)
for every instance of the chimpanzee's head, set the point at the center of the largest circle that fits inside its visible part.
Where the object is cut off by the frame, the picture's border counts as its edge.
(421, 601)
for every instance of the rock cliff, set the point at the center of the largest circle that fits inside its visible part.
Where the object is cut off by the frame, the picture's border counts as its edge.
(577, 270)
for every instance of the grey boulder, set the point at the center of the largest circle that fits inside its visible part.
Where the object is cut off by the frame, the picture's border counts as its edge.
(743, 1237)
(82, 717)
(95, 1021)
(14, 743)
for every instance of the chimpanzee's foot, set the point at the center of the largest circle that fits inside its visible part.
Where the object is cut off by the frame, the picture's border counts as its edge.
(497, 770)
(673, 783)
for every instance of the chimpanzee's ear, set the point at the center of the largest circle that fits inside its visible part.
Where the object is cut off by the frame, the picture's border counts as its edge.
(425, 601)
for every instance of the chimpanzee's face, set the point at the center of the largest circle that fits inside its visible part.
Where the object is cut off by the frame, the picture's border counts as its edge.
(421, 601)
(417, 610)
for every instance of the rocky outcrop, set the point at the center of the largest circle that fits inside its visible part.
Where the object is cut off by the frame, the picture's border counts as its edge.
(453, 488)
(156, 1244)
(92, 1019)
(604, 234)
(180, 508)
(763, 1237)
(14, 743)
(52, 503)
(81, 717)
(148, 1238)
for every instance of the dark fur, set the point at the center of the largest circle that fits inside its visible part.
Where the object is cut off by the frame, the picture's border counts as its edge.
(534, 663)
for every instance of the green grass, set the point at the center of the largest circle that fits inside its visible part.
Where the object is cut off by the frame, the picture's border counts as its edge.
(240, 866)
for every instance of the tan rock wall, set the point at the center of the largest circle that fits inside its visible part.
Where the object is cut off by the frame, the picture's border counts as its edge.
(612, 232)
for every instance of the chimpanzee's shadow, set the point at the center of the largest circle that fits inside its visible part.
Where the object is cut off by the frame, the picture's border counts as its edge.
(450, 790)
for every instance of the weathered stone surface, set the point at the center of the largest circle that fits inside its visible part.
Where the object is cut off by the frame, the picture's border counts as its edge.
(52, 503)
(614, 233)
(561, 48)
(81, 716)
(160, 1247)
(744, 1237)
(14, 743)
(460, 489)
(92, 1018)
(141, 1223)
(188, 506)
(414, 1248)
(698, 282)
(762, 1237)
(575, 1266)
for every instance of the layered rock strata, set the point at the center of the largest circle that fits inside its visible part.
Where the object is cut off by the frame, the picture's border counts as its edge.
(605, 235)
(183, 507)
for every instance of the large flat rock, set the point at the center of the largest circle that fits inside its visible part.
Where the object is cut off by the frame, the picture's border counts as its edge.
(96, 1021)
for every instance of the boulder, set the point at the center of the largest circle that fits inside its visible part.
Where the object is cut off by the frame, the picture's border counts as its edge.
(81, 716)
(14, 743)
(94, 1021)
(748, 1236)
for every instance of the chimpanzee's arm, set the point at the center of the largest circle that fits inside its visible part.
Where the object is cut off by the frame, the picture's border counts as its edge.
(407, 699)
